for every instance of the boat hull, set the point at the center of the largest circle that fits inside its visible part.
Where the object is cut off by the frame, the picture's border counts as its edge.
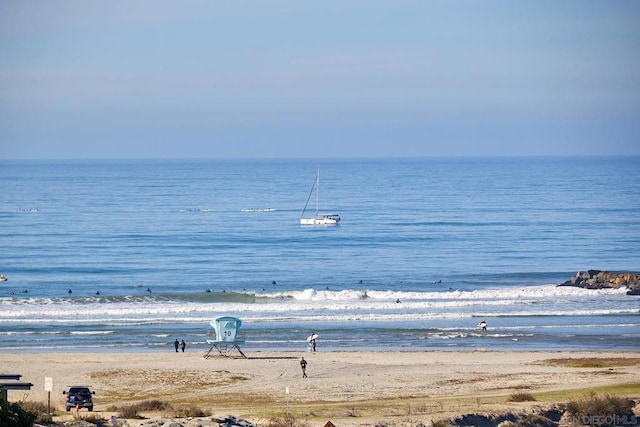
(329, 219)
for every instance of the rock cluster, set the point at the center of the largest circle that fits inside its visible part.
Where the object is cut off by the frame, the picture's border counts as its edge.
(538, 417)
(229, 421)
(621, 413)
(232, 421)
(170, 422)
(596, 279)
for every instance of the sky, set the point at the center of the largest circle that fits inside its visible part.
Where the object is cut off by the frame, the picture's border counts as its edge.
(296, 79)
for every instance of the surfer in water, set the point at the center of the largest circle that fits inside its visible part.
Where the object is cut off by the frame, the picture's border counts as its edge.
(483, 325)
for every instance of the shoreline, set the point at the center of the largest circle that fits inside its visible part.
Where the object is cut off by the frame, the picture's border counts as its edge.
(346, 387)
(202, 350)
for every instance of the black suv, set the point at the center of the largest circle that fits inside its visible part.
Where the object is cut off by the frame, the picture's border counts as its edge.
(79, 397)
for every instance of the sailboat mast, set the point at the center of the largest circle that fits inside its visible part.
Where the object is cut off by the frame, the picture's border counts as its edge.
(313, 187)
(317, 191)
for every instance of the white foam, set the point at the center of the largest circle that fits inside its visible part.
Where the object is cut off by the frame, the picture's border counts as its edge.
(325, 305)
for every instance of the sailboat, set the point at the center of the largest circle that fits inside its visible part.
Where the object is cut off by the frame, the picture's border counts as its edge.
(318, 219)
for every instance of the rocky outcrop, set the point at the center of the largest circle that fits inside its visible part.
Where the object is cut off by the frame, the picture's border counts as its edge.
(538, 417)
(596, 279)
(232, 421)
(229, 421)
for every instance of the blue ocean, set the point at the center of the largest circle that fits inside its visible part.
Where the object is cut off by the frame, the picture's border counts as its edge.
(128, 255)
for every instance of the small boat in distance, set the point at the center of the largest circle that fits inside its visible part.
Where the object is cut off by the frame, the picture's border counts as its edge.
(318, 219)
(259, 210)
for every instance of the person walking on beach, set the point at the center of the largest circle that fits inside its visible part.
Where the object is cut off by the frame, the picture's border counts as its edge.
(303, 365)
(183, 345)
(176, 344)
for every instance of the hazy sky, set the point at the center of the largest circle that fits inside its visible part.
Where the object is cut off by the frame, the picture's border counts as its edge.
(156, 79)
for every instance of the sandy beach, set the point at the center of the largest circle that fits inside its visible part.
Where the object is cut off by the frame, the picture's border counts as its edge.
(347, 388)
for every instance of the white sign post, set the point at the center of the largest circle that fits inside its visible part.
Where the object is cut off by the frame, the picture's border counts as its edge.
(48, 387)
(286, 392)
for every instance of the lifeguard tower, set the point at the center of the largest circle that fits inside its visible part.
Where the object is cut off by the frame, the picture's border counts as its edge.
(226, 329)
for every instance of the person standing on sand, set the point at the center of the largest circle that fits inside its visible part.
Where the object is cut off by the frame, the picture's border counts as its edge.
(176, 344)
(183, 345)
(312, 343)
(303, 365)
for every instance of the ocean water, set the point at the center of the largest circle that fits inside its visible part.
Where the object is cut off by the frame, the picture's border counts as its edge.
(130, 255)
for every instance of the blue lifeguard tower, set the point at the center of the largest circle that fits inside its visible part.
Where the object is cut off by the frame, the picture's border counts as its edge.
(227, 340)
